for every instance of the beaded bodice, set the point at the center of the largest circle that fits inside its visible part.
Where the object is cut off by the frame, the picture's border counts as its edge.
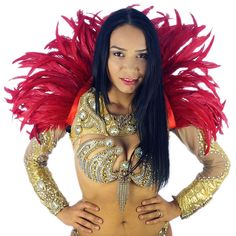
(100, 167)
(97, 156)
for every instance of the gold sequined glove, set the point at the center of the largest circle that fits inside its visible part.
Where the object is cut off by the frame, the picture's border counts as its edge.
(216, 167)
(36, 158)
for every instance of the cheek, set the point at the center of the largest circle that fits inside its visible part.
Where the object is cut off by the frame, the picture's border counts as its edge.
(113, 66)
(143, 67)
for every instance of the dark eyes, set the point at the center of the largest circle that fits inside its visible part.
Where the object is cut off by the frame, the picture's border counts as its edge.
(120, 54)
(143, 55)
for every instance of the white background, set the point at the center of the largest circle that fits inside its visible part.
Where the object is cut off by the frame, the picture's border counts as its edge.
(28, 26)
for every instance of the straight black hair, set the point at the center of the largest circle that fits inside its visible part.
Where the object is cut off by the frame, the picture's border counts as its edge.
(148, 103)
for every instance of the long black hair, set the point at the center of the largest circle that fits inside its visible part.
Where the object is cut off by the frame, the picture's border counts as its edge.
(148, 103)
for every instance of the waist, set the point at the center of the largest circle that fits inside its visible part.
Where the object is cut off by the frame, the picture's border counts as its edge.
(126, 223)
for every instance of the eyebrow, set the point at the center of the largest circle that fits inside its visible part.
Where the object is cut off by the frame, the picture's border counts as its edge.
(123, 49)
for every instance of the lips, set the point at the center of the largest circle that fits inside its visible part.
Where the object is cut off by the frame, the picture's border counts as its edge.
(129, 81)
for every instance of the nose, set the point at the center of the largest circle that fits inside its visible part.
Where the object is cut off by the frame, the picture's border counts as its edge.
(131, 64)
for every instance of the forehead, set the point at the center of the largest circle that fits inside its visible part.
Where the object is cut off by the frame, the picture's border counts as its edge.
(128, 36)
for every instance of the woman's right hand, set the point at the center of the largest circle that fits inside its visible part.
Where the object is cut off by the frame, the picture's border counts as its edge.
(79, 218)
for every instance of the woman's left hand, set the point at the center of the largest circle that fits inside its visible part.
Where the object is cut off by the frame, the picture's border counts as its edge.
(157, 209)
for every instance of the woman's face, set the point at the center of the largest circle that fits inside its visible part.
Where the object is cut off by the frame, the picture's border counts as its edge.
(127, 59)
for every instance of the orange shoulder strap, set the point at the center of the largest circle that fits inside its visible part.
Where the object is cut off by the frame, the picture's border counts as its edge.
(170, 114)
(74, 107)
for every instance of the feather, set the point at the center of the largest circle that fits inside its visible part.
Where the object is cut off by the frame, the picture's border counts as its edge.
(48, 95)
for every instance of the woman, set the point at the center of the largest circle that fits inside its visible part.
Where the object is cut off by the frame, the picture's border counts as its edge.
(119, 132)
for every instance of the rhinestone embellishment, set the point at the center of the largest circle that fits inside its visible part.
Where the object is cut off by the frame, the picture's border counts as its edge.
(78, 129)
(109, 142)
(114, 131)
(82, 115)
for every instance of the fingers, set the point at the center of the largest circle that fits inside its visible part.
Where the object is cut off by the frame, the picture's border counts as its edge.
(157, 209)
(153, 216)
(82, 228)
(86, 226)
(153, 221)
(87, 215)
(84, 220)
(151, 210)
(151, 207)
(157, 199)
(87, 205)
(92, 218)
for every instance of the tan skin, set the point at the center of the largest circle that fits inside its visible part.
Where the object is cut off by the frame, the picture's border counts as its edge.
(126, 69)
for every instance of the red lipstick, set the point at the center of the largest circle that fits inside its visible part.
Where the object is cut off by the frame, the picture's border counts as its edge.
(129, 81)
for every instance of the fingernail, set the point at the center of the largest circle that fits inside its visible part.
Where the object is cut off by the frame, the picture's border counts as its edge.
(97, 209)
(100, 221)
(96, 227)
(143, 203)
(138, 209)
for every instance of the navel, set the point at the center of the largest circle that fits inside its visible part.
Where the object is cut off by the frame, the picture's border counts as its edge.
(123, 222)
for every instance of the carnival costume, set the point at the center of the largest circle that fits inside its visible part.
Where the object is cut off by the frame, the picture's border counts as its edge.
(56, 96)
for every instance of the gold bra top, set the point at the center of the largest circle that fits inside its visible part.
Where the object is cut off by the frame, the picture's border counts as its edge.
(98, 155)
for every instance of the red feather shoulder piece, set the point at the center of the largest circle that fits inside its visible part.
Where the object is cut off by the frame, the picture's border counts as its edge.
(47, 97)
(189, 88)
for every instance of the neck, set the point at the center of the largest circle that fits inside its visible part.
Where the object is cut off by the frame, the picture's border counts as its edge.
(120, 103)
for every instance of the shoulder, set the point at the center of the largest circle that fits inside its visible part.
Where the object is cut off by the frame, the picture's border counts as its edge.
(86, 120)
(82, 98)
(87, 99)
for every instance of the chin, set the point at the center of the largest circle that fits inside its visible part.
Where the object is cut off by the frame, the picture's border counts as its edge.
(128, 90)
(120, 88)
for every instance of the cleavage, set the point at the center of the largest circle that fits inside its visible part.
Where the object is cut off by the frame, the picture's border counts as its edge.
(127, 154)
(119, 141)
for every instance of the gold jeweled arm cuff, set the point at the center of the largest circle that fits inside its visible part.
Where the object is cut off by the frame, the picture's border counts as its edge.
(36, 158)
(196, 195)
(200, 191)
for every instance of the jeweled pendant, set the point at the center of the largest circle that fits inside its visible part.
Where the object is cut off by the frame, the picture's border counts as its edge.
(123, 193)
(123, 185)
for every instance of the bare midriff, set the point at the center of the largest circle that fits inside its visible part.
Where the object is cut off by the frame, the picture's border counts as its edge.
(116, 222)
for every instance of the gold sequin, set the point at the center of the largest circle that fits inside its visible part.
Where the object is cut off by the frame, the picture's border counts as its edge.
(39, 175)
(201, 190)
(99, 167)
(88, 122)
(164, 230)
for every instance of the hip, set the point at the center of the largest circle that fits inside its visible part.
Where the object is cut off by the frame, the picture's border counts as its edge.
(128, 230)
